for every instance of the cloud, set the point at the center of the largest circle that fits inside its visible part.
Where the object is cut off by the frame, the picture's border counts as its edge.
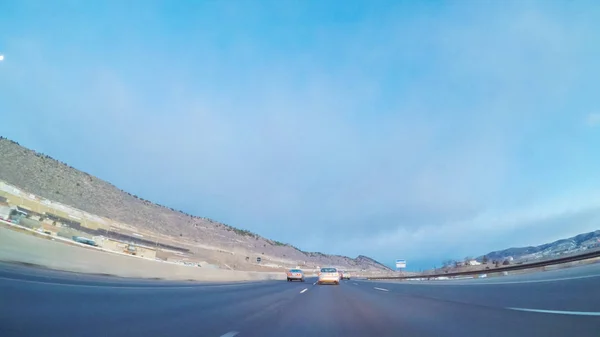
(532, 224)
(593, 119)
(388, 135)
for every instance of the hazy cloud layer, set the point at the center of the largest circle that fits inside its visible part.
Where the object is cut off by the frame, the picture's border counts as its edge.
(593, 119)
(398, 130)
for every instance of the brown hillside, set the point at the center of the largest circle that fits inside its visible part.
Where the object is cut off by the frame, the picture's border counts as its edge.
(46, 177)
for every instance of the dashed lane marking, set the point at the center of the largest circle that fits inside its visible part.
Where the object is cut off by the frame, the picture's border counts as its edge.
(355, 284)
(559, 312)
(305, 289)
(230, 334)
(380, 289)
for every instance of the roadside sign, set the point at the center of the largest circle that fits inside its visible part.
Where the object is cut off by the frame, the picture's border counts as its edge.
(400, 264)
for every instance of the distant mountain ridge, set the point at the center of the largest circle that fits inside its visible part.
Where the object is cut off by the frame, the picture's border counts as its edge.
(578, 243)
(49, 178)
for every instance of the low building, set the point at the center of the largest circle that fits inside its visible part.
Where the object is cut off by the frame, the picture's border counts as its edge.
(61, 222)
(29, 213)
(125, 247)
(5, 211)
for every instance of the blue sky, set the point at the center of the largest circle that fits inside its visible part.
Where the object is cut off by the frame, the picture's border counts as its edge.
(395, 129)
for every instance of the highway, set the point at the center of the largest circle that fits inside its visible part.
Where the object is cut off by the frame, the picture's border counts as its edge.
(39, 302)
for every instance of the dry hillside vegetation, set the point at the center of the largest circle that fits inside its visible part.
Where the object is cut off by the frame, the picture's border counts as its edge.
(46, 177)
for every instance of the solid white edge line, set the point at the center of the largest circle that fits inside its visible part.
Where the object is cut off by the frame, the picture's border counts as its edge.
(230, 334)
(558, 312)
(380, 289)
(305, 289)
(541, 281)
(477, 282)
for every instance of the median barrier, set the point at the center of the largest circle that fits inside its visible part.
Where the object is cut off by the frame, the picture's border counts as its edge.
(503, 269)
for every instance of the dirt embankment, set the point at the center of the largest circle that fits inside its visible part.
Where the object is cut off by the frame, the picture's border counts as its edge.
(25, 248)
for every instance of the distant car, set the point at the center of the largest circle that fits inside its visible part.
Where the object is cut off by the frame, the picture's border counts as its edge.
(329, 275)
(345, 275)
(295, 274)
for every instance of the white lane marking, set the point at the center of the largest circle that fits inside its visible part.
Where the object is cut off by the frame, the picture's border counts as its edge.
(230, 334)
(123, 286)
(355, 284)
(559, 312)
(380, 289)
(482, 283)
(305, 289)
(315, 283)
(548, 280)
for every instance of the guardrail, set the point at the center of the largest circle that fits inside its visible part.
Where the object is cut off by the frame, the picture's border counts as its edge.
(565, 259)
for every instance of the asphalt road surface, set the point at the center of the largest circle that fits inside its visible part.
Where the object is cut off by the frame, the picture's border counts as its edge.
(38, 302)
